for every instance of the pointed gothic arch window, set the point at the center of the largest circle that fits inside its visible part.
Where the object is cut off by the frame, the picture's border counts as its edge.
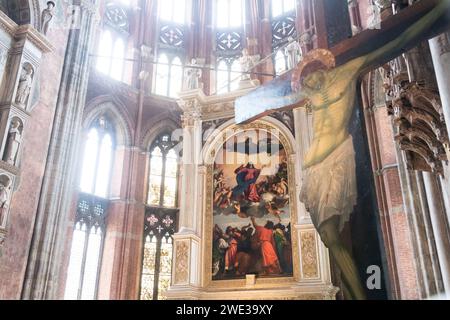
(168, 76)
(173, 10)
(163, 173)
(281, 7)
(230, 14)
(90, 218)
(160, 218)
(97, 159)
(284, 15)
(112, 43)
(170, 47)
(230, 25)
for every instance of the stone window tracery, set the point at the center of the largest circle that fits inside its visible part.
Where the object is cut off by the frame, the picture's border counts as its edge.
(163, 176)
(171, 47)
(229, 39)
(161, 217)
(111, 50)
(90, 218)
(284, 15)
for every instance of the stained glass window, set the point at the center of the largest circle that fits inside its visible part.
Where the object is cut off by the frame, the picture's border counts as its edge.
(230, 18)
(160, 218)
(168, 76)
(148, 268)
(118, 60)
(283, 31)
(163, 173)
(86, 249)
(230, 13)
(172, 10)
(228, 74)
(97, 159)
(165, 267)
(280, 7)
(104, 50)
(112, 43)
(155, 180)
(160, 225)
(87, 238)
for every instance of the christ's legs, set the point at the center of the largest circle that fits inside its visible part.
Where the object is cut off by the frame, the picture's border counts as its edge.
(329, 234)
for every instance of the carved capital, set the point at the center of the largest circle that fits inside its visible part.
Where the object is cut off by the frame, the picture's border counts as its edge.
(422, 132)
(192, 113)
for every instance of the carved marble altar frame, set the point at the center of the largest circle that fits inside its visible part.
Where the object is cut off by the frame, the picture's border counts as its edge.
(192, 257)
(211, 149)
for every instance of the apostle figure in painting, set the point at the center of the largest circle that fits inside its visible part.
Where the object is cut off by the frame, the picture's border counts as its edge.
(230, 255)
(266, 242)
(246, 177)
(13, 142)
(329, 184)
(47, 16)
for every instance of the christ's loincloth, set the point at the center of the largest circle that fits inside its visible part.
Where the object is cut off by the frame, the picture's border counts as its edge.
(329, 188)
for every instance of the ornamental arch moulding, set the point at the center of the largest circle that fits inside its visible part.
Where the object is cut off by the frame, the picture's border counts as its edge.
(156, 127)
(116, 113)
(228, 129)
(22, 12)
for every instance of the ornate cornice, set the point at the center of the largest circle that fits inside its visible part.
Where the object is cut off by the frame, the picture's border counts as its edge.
(25, 31)
(7, 24)
(40, 41)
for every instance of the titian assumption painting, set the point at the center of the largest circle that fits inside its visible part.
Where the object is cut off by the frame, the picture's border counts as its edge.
(251, 225)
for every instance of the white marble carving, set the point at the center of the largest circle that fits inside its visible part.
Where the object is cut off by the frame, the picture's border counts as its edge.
(13, 142)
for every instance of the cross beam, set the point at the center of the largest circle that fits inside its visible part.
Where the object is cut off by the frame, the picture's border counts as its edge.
(346, 50)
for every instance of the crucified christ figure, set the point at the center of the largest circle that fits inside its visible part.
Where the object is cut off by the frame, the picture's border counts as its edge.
(329, 178)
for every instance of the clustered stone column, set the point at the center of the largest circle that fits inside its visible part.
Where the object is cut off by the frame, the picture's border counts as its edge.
(21, 53)
(419, 118)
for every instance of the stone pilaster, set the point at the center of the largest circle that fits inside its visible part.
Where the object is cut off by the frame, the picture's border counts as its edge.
(440, 51)
(187, 269)
(22, 50)
(440, 226)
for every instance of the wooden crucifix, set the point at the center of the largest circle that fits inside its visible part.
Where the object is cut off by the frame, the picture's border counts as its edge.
(327, 81)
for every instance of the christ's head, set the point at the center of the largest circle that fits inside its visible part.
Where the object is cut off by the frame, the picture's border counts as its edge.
(315, 80)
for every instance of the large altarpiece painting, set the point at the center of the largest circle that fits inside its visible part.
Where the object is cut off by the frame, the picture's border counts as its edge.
(251, 212)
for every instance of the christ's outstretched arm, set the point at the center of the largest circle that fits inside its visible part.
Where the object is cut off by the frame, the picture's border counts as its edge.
(409, 36)
(256, 103)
